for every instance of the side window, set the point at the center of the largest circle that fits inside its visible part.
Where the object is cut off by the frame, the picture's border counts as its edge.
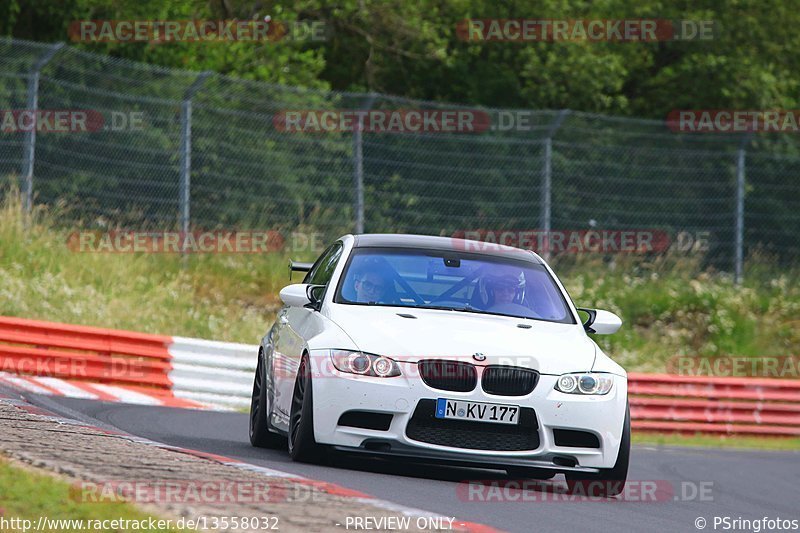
(322, 271)
(318, 262)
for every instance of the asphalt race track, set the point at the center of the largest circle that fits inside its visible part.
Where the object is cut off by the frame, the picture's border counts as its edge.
(746, 484)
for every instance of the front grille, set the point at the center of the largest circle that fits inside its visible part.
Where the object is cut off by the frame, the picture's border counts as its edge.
(448, 375)
(509, 380)
(425, 427)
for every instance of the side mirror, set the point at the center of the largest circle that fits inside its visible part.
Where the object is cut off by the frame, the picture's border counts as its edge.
(601, 322)
(302, 294)
(315, 293)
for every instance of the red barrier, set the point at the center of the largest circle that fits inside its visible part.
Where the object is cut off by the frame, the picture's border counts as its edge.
(90, 354)
(85, 338)
(690, 404)
(659, 402)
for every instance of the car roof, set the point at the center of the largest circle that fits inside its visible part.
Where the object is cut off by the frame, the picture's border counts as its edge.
(431, 242)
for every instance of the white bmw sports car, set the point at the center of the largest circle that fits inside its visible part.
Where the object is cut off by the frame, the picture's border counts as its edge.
(434, 349)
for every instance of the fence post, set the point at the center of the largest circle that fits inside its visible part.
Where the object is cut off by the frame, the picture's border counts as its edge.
(740, 177)
(186, 151)
(547, 181)
(358, 167)
(29, 145)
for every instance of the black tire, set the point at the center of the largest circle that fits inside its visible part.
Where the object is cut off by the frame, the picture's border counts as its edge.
(302, 445)
(610, 481)
(260, 435)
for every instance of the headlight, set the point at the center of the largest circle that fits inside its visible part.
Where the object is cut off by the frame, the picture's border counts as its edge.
(585, 383)
(364, 364)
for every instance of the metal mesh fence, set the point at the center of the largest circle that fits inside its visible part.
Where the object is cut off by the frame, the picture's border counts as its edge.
(180, 150)
(17, 61)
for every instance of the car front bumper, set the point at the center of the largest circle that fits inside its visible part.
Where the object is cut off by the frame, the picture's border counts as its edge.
(336, 392)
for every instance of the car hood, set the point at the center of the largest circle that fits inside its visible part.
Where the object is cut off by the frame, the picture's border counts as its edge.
(549, 348)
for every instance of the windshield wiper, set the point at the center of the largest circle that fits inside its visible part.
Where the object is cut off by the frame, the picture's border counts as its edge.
(437, 307)
(469, 309)
(466, 309)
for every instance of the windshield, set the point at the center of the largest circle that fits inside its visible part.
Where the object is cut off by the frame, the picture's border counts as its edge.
(454, 281)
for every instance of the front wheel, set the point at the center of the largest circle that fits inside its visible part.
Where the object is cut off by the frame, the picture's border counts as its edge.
(302, 445)
(260, 435)
(609, 481)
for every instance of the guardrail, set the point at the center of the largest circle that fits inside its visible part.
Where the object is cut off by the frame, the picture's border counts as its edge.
(216, 373)
(85, 353)
(208, 372)
(691, 404)
(220, 374)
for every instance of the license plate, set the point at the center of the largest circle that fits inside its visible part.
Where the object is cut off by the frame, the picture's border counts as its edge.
(482, 412)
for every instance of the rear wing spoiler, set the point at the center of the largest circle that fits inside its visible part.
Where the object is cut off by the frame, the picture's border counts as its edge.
(296, 266)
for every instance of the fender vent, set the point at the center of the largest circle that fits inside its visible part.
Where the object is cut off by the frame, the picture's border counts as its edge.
(366, 420)
(572, 438)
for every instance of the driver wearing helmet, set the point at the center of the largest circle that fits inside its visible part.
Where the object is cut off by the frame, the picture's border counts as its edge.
(370, 287)
(372, 283)
(505, 288)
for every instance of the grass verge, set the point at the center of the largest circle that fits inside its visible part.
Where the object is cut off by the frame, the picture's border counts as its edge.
(716, 441)
(671, 306)
(26, 494)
